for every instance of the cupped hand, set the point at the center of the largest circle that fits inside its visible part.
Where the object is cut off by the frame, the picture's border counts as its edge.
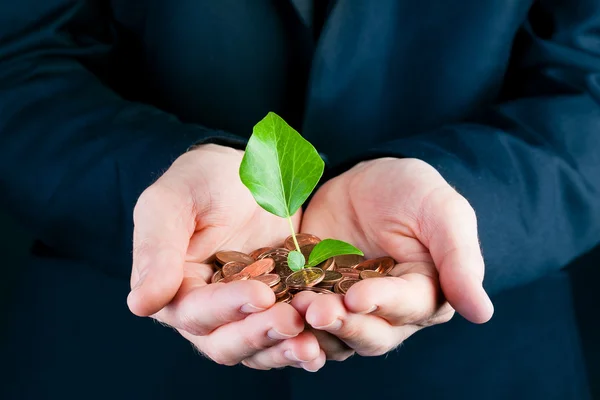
(198, 207)
(405, 209)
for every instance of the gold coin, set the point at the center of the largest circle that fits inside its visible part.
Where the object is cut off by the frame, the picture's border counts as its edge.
(305, 277)
(303, 240)
(366, 274)
(225, 256)
(269, 279)
(348, 260)
(331, 278)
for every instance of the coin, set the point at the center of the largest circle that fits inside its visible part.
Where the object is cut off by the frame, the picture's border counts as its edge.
(287, 298)
(280, 289)
(223, 257)
(386, 265)
(306, 250)
(259, 252)
(305, 277)
(268, 279)
(331, 278)
(315, 289)
(240, 276)
(217, 276)
(259, 267)
(343, 285)
(382, 265)
(303, 240)
(327, 265)
(348, 272)
(366, 274)
(232, 268)
(348, 260)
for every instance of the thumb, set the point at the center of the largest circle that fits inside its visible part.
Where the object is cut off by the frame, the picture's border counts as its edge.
(449, 230)
(164, 221)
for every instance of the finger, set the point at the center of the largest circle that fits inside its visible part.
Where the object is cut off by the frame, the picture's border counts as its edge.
(448, 227)
(163, 224)
(410, 299)
(200, 308)
(302, 351)
(368, 335)
(236, 341)
(333, 347)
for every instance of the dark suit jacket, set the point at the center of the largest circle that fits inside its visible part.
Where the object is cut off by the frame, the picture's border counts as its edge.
(97, 98)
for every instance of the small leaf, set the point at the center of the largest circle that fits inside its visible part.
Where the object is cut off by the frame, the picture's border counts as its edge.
(330, 248)
(296, 260)
(280, 167)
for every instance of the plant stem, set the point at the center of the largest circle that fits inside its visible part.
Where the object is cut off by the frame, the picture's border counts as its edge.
(293, 234)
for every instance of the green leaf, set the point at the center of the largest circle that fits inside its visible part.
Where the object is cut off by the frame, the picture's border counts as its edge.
(296, 260)
(280, 167)
(328, 248)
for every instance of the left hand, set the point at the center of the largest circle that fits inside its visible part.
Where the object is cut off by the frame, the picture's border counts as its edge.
(405, 209)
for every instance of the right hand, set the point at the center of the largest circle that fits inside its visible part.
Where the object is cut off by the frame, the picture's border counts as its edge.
(198, 207)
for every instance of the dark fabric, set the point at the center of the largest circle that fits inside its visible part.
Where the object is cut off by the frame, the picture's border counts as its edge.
(98, 97)
(73, 337)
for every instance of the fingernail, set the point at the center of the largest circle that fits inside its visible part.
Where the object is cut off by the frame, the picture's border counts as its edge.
(249, 308)
(333, 326)
(305, 366)
(276, 335)
(370, 310)
(289, 354)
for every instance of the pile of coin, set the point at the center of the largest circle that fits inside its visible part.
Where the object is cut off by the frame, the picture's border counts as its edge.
(269, 266)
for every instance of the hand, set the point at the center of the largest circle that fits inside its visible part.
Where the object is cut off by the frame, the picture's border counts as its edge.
(200, 206)
(405, 209)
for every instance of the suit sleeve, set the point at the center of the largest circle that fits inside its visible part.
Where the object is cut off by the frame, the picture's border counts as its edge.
(531, 166)
(74, 155)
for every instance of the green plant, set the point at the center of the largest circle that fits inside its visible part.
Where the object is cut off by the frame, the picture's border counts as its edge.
(281, 169)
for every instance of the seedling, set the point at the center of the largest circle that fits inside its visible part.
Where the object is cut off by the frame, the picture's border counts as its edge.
(281, 169)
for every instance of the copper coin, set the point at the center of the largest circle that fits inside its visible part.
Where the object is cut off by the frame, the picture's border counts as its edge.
(331, 278)
(306, 250)
(348, 272)
(240, 276)
(259, 252)
(316, 289)
(382, 265)
(345, 284)
(387, 264)
(217, 276)
(303, 240)
(287, 298)
(305, 277)
(327, 265)
(280, 289)
(348, 260)
(268, 279)
(366, 274)
(223, 257)
(259, 267)
(232, 268)
(277, 254)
